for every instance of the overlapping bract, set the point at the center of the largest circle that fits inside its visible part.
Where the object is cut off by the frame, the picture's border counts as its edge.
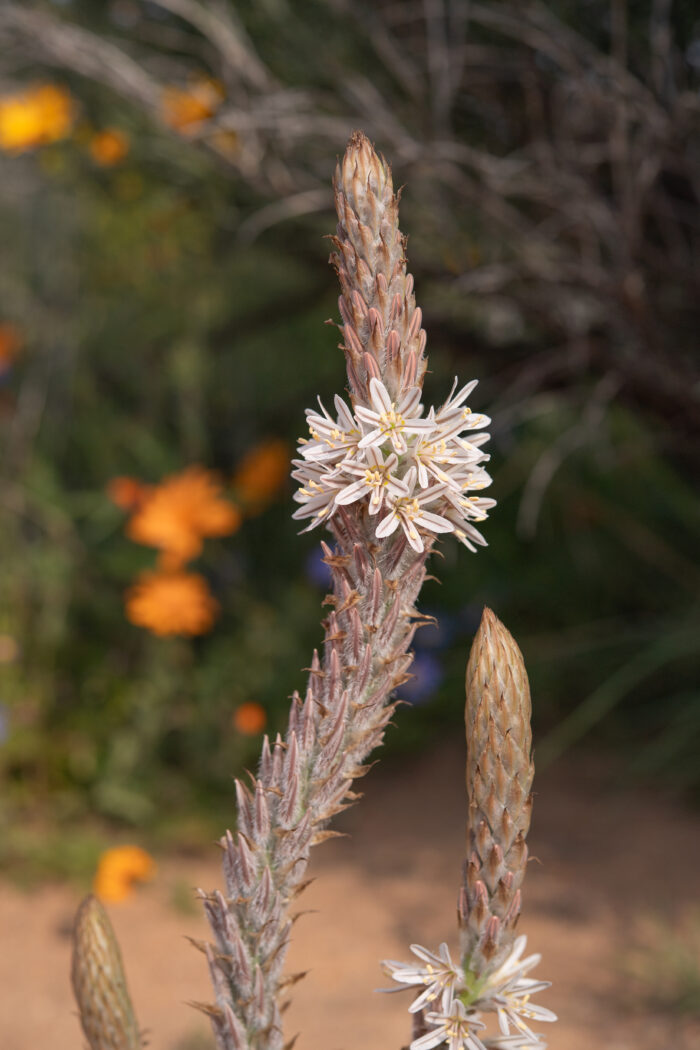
(413, 470)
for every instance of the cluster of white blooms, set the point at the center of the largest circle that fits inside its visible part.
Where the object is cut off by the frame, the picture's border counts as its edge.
(505, 992)
(414, 471)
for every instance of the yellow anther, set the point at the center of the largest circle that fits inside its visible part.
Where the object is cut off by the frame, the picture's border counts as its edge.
(392, 420)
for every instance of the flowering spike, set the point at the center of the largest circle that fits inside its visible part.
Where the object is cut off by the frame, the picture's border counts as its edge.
(386, 477)
(491, 977)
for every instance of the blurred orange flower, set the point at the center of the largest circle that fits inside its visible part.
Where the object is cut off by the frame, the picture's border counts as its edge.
(35, 117)
(109, 147)
(261, 473)
(119, 868)
(10, 345)
(250, 718)
(179, 512)
(127, 493)
(226, 142)
(9, 649)
(172, 603)
(184, 108)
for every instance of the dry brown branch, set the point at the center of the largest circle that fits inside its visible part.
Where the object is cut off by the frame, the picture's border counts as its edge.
(589, 213)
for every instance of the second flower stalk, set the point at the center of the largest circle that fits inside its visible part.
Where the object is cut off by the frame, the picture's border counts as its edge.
(491, 976)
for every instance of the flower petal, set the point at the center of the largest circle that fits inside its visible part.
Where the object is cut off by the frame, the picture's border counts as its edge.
(387, 525)
(379, 395)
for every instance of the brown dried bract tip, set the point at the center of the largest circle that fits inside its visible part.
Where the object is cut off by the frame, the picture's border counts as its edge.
(381, 323)
(499, 783)
(99, 982)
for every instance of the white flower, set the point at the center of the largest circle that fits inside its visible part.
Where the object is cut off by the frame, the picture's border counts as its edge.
(332, 439)
(507, 992)
(447, 460)
(391, 420)
(409, 512)
(317, 492)
(456, 1027)
(455, 412)
(514, 1042)
(375, 478)
(437, 972)
(411, 470)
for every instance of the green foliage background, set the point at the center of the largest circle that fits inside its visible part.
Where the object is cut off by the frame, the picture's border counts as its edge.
(157, 337)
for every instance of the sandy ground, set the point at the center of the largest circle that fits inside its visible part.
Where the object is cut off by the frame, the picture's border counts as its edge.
(605, 857)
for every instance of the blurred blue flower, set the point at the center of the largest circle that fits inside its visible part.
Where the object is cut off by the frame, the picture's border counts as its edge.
(317, 572)
(4, 724)
(428, 674)
(470, 617)
(436, 635)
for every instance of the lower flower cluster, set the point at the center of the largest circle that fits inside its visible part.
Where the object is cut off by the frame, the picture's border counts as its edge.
(463, 996)
(415, 472)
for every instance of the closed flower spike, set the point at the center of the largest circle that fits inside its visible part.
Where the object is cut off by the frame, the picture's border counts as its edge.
(385, 476)
(106, 1014)
(499, 784)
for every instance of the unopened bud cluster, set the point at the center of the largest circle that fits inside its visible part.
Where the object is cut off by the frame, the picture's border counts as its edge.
(99, 983)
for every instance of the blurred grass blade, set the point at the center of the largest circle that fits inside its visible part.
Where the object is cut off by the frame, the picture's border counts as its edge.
(664, 750)
(99, 982)
(612, 691)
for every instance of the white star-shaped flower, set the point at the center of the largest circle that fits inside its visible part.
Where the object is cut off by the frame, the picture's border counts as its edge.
(454, 416)
(456, 1028)
(391, 420)
(508, 991)
(317, 491)
(437, 973)
(331, 439)
(375, 478)
(411, 513)
(446, 460)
